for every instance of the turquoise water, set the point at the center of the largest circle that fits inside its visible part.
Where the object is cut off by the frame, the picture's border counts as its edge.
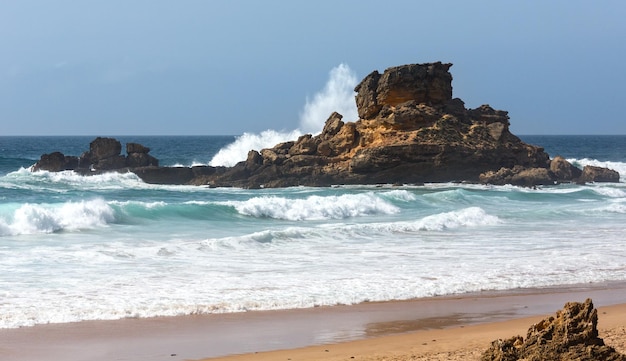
(106, 247)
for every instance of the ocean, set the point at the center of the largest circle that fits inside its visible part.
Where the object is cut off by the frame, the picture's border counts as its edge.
(108, 247)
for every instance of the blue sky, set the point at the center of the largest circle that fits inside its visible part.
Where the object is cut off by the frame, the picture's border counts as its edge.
(195, 67)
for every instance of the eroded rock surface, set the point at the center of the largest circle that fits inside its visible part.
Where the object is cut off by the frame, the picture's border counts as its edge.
(570, 335)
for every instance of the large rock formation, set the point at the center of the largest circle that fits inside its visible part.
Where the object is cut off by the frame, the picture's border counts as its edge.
(410, 130)
(572, 335)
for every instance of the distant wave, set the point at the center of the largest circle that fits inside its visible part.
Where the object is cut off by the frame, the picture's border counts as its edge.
(337, 95)
(467, 217)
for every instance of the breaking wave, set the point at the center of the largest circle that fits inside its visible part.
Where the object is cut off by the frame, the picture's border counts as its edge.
(314, 207)
(337, 95)
(49, 218)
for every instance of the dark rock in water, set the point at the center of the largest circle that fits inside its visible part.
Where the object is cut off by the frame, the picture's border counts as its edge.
(136, 148)
(165, 175)
(519, 176)
(111, 163)
(135, 160)
(103, 155)
(598, 174)
(103, 148)
(410, 130)
(571, 335)
(56, 162)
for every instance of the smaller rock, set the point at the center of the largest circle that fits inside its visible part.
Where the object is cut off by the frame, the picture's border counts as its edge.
(55, 162)
(563, 170)
(598, 174)
(305, 145)
(102, 148)
(254, 159)
(519, 176)
(136, 148)
(571, 335)
(332, 126)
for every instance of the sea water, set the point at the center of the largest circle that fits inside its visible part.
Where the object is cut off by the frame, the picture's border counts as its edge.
(78, 248)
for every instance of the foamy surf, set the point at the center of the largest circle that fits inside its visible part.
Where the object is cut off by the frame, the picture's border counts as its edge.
(315, 207)
(48, 218)
(76, 248)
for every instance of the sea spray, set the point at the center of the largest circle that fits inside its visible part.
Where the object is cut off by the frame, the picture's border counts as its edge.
(337, 95)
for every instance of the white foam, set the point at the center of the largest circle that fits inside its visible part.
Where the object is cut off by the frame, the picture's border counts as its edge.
(48, 218)
(314, 207)
(337, 95)
(238, 150)
(609, 192)
(468, 217)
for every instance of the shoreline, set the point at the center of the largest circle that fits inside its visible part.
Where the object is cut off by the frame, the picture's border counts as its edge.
(459, 343)
(220, 335)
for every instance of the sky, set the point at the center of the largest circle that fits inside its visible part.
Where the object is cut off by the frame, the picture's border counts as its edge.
(196, 67)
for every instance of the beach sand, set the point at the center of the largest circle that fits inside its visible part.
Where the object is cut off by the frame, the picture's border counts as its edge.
(439, 328)
(455, 343)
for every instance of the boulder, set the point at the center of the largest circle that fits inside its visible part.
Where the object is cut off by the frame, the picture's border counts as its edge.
(136, 148)
(598, 174)
(55, 162)
(429, 83)
(571, 335)
(563, 170)
(519, 176)
(102, 148)
(305, 145)
(140, 159)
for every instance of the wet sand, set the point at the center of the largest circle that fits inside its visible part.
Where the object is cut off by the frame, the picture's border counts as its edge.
(365, 331)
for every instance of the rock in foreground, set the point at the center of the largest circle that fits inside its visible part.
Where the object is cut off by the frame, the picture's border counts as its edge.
(571, 335)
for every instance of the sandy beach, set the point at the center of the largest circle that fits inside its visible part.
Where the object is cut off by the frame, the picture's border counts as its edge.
(455, 343)
(433, 328)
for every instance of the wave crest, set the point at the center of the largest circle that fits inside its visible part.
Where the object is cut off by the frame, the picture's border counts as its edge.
(314, 207)
(47, 218)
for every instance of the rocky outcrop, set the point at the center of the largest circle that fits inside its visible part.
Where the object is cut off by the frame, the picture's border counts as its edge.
(411, 130)
(571, 335)
(103, 155)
